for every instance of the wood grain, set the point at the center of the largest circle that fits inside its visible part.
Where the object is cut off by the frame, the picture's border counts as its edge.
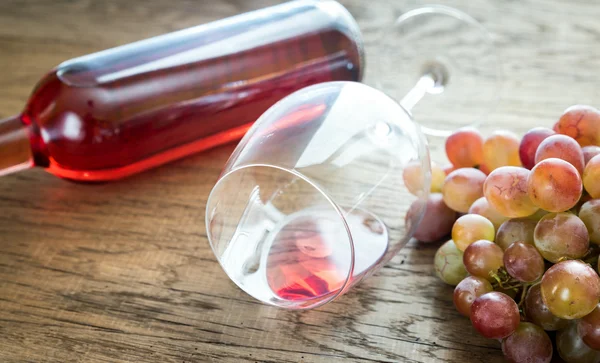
(123, 272)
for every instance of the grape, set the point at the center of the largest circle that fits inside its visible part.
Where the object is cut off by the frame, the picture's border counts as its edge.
(482, 207)
(590, 215)
(436, 214)
(554, 185)
(464, 148)
(589, 152)
(581, 123)
(591, 177)
(437, 178)
(515, 230)
(538, 313)
(523, 262)
(448, 264)
(501, 149)
(529, 343)
(529, 145)
(414, 178)
(495, 315)
(467, 291)
(470, 228)
(561, 147)
(483, 258)
(448, 168)
(570, 289)
(572, 349)
(462, 187)
(506, 190)
(538, 215)
(561, 235)
(589, 329)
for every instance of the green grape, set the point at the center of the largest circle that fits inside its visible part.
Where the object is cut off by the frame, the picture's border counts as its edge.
(467, 291)
(529, 343)
(590, 215)
(482, 259)
(495, 315)
(523, 262)
(448, 264)
(572, 349)
(538, 313)
(559, 236)
(570, 289)
(482, 207)
(515, 230)
(470, 228)
(437, 178)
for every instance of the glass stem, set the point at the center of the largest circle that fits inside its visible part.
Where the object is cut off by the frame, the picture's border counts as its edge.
(15, 148)
(420, 89)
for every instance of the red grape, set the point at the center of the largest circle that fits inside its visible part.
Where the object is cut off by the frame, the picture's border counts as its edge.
(554, 185)
(483, 258)
(590, 215)
(529, 145)
(436, 214)
(467, 291)
(528, 344)
(464, 148)
(561, 235)
(591, 177)
(538, 313)
(523, 262)
(506, 190)
(561, 147)
(515, 230)
(589, 329)
(462, 187)
(572, 348)
(589, 152)
(470, 228)
(482, 207)
(570, 289)
(581, 123)
(495, 315)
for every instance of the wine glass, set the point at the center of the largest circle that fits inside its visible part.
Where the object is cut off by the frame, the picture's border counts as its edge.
(331, 182)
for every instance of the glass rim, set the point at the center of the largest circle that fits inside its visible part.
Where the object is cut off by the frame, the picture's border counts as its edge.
(332, 203)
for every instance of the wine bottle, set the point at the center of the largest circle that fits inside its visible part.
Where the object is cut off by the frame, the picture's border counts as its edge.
(114, 113)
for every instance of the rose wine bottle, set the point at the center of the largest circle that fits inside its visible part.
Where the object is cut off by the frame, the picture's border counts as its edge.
(118, 112)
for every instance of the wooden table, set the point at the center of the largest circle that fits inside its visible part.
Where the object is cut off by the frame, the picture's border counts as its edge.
(123, 272)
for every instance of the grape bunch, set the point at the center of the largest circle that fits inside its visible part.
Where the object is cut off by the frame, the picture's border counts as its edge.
(524, 219)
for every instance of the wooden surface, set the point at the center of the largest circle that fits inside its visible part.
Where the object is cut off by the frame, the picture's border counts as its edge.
(123, 272)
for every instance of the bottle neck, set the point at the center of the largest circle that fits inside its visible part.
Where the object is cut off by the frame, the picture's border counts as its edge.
(15, 148)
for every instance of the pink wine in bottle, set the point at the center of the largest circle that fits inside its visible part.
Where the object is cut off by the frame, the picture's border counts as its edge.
(118, 112)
